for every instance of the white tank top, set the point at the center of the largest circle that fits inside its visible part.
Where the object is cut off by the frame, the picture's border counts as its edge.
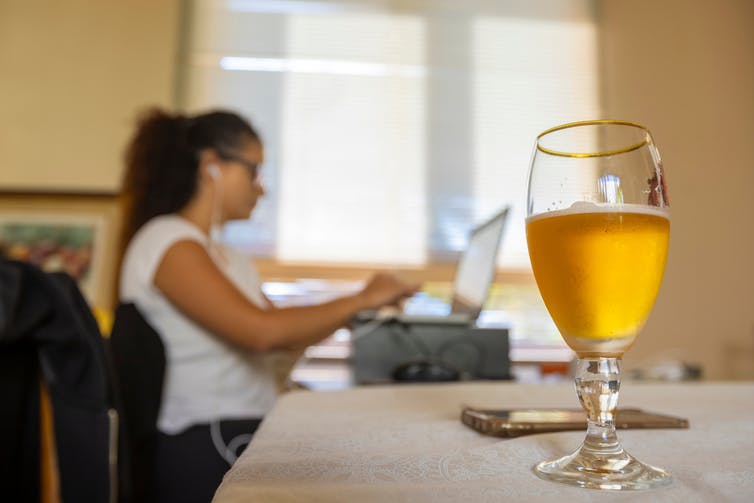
(206, 377)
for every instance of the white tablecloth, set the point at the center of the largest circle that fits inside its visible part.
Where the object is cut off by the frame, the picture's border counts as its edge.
(406, 443)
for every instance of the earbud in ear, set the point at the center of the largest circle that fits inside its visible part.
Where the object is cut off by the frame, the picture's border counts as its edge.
(213, 171)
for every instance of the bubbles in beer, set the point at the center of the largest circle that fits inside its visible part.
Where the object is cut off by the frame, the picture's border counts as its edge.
(590, 207)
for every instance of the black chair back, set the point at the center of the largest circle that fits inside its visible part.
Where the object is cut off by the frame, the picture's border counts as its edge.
(139, 360)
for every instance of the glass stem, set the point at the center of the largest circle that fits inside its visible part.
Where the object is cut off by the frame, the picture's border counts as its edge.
(597, 385)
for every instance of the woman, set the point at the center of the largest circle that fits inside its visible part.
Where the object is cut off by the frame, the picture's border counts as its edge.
(185, 177)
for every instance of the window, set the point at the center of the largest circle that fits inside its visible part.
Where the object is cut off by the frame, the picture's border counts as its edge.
(391, 127)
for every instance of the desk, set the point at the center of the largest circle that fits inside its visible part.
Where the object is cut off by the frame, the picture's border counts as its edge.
(406, 443)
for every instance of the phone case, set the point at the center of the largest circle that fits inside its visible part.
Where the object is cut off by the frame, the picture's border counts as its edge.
(518, 422)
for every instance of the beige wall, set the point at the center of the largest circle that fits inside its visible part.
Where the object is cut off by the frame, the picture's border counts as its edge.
(686, 70)
(74, 74)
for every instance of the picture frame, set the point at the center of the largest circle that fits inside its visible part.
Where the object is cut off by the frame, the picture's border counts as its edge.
(69, 232)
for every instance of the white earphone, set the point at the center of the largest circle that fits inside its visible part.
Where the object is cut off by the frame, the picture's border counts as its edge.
(213, 171)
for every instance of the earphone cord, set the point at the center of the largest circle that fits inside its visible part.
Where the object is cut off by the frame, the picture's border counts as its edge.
(227, 451)
(404, 333)
(215, 228)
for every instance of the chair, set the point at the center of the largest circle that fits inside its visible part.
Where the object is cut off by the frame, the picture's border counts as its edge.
(139, 361)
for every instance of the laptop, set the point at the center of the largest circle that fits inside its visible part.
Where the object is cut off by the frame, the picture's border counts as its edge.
(474, 274)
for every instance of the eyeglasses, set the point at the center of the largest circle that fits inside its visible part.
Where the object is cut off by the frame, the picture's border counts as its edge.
(251, 167)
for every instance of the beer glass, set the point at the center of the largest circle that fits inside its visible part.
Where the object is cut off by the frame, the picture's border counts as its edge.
(597, 228)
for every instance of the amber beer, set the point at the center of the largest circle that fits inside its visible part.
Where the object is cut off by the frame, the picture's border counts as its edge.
(599, 269)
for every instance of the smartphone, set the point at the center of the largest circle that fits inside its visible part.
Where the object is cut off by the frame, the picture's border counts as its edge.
(518, 422)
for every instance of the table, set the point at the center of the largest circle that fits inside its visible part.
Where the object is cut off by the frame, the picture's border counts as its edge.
(406, 443)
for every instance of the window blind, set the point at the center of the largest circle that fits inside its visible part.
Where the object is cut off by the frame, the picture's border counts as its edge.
(391, 127)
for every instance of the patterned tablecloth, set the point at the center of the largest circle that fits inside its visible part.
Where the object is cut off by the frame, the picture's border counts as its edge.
(406, 443)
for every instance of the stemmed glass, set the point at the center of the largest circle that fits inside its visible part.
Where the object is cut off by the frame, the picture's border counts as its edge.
(597, 228)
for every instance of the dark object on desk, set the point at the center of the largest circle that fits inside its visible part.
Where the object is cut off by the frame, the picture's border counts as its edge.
(425, 371)
(667, 370)
(473, 353)
(519, 422)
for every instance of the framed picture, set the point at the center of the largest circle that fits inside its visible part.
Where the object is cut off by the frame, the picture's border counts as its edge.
(76, 234)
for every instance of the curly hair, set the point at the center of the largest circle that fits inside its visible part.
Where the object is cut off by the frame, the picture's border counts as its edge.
(162, 160)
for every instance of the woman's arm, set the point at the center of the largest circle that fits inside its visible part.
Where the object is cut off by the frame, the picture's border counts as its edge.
(189, 278)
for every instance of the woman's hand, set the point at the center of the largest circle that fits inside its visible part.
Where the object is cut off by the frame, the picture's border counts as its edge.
(385, 289)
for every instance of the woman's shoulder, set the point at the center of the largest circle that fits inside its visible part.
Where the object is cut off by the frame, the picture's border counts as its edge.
(148, 247)
(167, 229)
(153, 239)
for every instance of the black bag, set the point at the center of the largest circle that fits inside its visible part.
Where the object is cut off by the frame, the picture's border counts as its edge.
(47, 330)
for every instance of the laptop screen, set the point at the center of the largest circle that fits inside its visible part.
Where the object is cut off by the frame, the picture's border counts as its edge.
(476, 267)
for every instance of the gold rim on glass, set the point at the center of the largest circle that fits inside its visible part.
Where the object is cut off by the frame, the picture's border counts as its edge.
(606, 153)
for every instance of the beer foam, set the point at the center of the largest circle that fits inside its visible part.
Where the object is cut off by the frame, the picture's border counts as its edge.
(581, 207)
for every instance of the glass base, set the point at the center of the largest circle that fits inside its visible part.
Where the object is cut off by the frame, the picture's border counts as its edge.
(617, 471)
